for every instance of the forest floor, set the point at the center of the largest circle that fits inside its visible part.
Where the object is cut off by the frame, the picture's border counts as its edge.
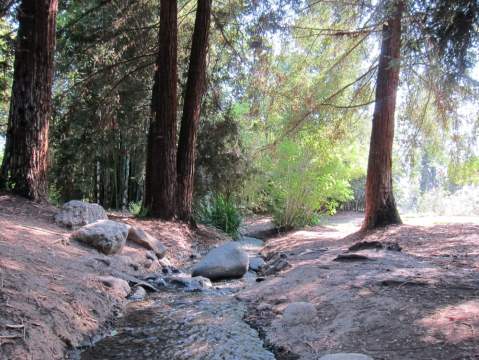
(418, 303)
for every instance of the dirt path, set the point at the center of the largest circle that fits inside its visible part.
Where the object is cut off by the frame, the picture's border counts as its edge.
(419, 303)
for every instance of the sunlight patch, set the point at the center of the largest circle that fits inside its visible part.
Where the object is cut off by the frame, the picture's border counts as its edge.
(454, 323)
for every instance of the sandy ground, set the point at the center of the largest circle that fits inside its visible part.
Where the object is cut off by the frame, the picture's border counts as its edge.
(420, 303)
(50, 297)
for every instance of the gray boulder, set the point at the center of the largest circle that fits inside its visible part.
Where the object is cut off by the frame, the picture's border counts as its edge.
(346, 356)
(299, 313)
(256, 263)
(106, 236)
(76, 213)
(227, 261)
(117, 286)
(142, 238)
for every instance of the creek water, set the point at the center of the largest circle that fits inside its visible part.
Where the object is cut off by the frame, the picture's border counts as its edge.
(179, 325)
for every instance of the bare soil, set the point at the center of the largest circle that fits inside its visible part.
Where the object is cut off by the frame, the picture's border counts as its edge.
(419, 303)
(50, 297)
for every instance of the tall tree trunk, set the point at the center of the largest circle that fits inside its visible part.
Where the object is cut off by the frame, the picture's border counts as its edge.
(380, 204)
(160, 180)
(24, 167)
(191, 110)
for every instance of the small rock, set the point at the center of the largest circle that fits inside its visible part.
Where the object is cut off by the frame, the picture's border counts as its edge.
(118, 286)
(264, 306)
(227, 261)
(164, 262)
(142, 238)
(256, 263)
(106, 236)
(196, 283)
(75, 213)
(150, 255)
(276, 264)
(346, 356)
(134, 281)
(299, 313)
(138, 294)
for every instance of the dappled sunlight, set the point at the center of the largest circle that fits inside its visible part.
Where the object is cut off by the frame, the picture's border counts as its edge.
(453, 323)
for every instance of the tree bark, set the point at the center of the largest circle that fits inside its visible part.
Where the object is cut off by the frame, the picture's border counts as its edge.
(380, 204)
(160, 179)
(195, 87)
(24, 168)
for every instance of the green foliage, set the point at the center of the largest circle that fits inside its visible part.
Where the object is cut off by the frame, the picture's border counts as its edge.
(54, 196)
(137, 210)
(304, 178)
(465, 173)
(7, 39)
(222, 164)
(221, 212)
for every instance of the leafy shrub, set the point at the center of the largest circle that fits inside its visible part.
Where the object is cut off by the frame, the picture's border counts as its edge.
(220, 212)
(303, 179)
(137, 210)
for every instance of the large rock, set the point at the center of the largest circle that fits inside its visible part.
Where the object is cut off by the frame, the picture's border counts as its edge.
(106, 236)
(227, 261)
(346, 356)
(75, 213)
(299, 313)
(142, 238)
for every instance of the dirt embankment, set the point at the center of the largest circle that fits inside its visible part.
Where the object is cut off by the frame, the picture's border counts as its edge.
(418, 303)
(50, 295)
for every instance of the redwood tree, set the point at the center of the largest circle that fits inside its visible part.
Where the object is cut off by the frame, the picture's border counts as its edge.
(380, 204)
(191, 110)
(25, 160)
(160, 178)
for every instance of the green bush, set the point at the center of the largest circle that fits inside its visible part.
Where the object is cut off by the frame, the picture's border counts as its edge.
(220, 212)
(303, 179)
(137, 210)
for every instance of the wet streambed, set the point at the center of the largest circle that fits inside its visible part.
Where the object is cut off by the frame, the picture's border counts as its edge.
(177, 325)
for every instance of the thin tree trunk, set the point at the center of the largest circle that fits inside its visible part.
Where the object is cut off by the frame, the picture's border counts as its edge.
(126, 177)
(24, 168)
(160, 181)
(380, 204)
(191, 110)
(97, 182)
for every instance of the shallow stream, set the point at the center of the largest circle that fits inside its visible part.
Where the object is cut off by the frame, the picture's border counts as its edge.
(179, 325)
